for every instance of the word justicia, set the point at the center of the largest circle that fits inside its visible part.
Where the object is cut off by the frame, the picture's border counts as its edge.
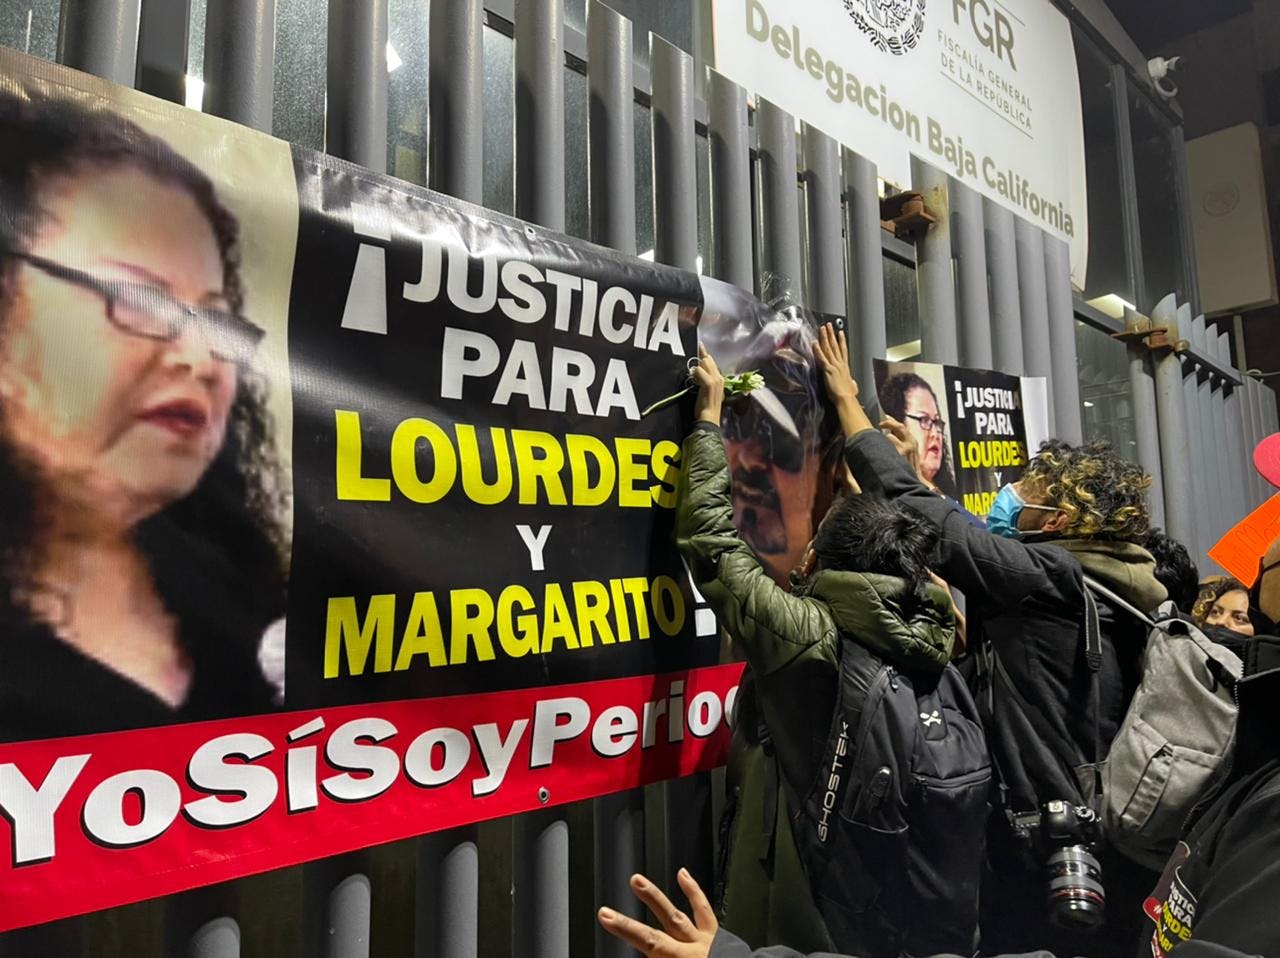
(233, 779)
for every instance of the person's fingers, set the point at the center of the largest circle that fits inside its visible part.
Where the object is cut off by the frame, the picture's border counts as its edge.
(896, 428)
(844, 347)
(704, 916)
(676, 922)
(644, 939)
(709, 362)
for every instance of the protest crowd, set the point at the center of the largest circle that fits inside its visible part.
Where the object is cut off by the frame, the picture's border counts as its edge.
(1085, 763)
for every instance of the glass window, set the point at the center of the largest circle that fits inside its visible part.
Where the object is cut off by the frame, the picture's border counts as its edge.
(407, 55)
(499, 122)
(577, 210)
(1107, 283)
(902, 311)
(1105, 400)
(30, 27)
(302, 29)
(673, 20)
(1158, 199)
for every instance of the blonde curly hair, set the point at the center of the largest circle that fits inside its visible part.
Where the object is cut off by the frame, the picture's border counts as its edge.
(1102, 495)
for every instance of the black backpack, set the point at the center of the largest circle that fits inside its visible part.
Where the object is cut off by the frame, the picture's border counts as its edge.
(893, 832)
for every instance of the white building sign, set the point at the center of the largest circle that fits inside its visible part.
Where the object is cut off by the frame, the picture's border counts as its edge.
(986, 90)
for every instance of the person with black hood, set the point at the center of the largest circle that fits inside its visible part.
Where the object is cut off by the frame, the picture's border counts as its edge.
(1051, 710)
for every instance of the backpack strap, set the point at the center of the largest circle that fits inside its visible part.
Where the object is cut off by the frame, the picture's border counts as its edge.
(1093, 659)
(1097, 588)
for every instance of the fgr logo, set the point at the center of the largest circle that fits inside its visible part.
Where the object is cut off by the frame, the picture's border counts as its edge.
(891, 25)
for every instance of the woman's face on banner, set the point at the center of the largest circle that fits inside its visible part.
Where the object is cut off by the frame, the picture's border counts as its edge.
(922, 410)
(114, 419)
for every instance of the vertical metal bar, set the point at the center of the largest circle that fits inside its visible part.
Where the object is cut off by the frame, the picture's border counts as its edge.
(1215, 449)
(675, 169)
(1209, 479)
(935, 279)
(219, 938)
(1062, 340)
(350, 907)
(356, 117)
(1006, 309)
(618, 820)
(864, 269)
(687, 801)
(1033, 305)
(1187, 246)
(1128, 187)
(163, 36)
(1142, 391)
(1229, 469)
(1195, 464)
(611, 128)
(1237, 467)
(730, 181)
(101, 37)
(447, 895)
(539, 54)
(240, 61)
(779, 201)
(1175, 455)
(968, 241)
(539, 839)
(541, 885)
(1248, 436)
(1258, 431)
(455, 97)
(822, 205)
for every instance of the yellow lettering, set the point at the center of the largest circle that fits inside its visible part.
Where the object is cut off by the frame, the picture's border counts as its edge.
(558, 623)
(545, 468)
(519, 637)
(585, 494)
(343, 629)
(636, 587)
(473, 484)
(591, 605)
(620, 606)
(351, 485)
(666, 470)
(665, 587)
(404, 461)
(630, 472)
(470, 616)
(422, 633)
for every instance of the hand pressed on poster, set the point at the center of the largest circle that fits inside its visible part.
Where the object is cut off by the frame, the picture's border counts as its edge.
(143, 540)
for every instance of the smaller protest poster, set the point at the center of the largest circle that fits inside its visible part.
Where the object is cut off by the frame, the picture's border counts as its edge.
(971, 426)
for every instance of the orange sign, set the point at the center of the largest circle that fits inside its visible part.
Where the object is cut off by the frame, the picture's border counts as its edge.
(1240, 549)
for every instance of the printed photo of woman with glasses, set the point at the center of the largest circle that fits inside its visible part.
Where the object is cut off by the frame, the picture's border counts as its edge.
(143, 549)
(910, 400)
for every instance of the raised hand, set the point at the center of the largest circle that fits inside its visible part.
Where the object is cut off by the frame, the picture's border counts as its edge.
(832, 352)
(681, 937)
(710, 383)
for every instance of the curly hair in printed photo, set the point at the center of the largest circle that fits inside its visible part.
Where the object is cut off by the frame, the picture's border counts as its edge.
(1101, 495)
(909, 398)
(144, 550)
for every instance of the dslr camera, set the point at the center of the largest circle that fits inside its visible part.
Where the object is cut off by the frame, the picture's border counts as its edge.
(1064, 837)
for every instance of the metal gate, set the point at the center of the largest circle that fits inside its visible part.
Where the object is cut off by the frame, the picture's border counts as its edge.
(993, 290)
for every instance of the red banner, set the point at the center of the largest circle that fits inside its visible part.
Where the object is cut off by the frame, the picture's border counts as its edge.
(103, 820)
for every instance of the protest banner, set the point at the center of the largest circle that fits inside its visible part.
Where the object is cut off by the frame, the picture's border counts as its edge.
(971, 426)
(332, 515)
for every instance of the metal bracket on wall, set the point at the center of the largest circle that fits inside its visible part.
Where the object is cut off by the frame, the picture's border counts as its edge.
(905, 215)
(1155, 338)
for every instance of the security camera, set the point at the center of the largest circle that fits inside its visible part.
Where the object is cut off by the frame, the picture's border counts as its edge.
(1158, 68)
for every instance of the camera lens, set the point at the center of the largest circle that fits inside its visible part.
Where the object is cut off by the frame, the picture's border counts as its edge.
(1076, 897)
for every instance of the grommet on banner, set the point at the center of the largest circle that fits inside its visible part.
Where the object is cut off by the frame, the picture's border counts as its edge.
(544, 795)
(529, 232)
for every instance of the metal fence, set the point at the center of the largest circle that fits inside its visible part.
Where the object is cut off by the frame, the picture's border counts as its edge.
(993, 291)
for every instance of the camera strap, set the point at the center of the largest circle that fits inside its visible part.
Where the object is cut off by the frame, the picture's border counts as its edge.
(1093, 660)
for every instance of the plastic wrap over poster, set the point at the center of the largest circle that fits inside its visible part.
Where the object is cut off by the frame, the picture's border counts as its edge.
(973, 428)
(330, 515)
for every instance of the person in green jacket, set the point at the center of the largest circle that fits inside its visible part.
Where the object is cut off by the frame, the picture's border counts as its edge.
(864, 578)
